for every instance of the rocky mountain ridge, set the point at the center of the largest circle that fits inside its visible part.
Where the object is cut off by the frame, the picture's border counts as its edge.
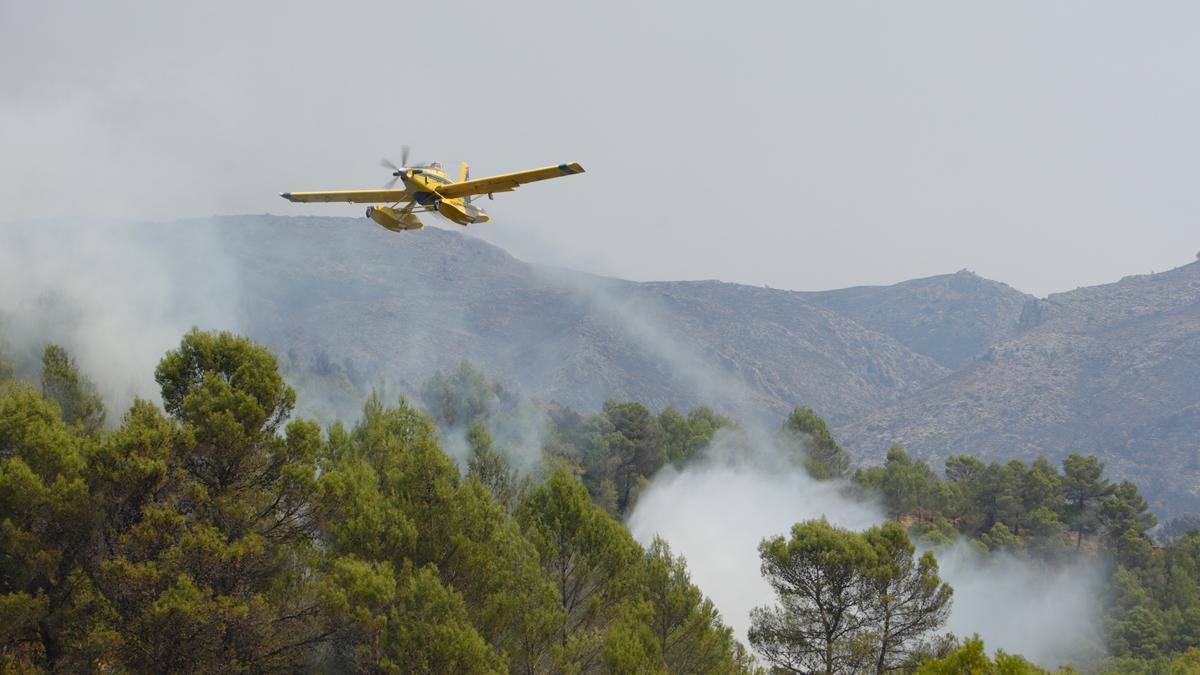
(411, 305)
(1112, 370)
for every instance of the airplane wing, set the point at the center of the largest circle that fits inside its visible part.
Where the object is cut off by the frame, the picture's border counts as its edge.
(354, 196)
(507, 181)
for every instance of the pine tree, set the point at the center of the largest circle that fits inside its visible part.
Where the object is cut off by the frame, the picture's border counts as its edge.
(906, 601)
(74, 393)
(823, 457)
(1083, 487)
(818, 575)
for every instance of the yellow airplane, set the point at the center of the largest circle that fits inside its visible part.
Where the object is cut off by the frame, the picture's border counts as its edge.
(427, 189)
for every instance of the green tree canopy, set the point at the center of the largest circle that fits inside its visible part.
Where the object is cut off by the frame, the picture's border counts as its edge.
(823, 457)
(970, 658)
(210, 519)
(489, 465)
(8, 369)
(848, 602)
(687, 626)
(45, 529)
(456, 398)
(818, 575)
(74, 393)
(907, 600)
(1083, 487)
(1124, 517)
(586, 554)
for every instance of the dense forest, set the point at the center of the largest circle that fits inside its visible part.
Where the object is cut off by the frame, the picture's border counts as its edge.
(464, 529)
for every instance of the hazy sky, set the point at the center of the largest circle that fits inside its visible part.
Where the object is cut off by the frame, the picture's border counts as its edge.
(796, 144)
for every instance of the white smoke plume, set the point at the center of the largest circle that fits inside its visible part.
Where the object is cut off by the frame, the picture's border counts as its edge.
(716, 511)
(1047, 613)
(519, 430)
(636, 317)
(117, 295)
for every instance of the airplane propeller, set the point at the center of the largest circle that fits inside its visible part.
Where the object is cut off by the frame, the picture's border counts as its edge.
(395, 174)
(397, 171)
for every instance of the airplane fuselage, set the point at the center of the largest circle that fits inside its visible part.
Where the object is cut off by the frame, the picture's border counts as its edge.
(422, 184)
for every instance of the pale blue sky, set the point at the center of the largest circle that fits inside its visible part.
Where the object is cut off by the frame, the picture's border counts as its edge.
(797, 144)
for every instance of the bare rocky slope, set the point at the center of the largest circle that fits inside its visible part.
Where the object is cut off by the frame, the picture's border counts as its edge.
(948, 364)
(950, 318)
(1111, 370)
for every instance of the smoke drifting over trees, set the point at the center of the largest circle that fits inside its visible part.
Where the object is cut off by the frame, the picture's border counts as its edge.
(705, 485)
(116, 295)
(716, 510)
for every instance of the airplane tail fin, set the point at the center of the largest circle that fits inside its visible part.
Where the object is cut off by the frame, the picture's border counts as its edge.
(465, 173)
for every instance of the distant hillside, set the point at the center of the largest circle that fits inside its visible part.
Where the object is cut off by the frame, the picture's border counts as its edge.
(1112, 370)
(951, 363)
(412, 304)
(950, 318)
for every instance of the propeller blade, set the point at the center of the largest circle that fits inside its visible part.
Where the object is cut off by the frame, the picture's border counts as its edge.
(404, 155)
(387, 164)
(391, 183)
